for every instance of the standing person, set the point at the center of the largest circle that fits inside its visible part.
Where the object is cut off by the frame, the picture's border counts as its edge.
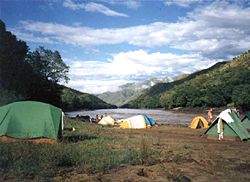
(210, 116)
(220, 129)
(237, 111)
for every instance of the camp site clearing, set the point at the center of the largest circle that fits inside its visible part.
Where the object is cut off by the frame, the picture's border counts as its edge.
(102, 153)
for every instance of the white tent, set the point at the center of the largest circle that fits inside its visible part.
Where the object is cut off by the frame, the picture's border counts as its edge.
(107, 120)
(134, 122)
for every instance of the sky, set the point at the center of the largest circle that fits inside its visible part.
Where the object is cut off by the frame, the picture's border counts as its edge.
(108, 43)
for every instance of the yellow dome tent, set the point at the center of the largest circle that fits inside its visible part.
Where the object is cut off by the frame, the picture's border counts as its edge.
(199, 122)
(107, 120)
(139, 121)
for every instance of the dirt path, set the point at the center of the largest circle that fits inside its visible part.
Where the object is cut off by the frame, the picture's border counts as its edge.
(191, 157)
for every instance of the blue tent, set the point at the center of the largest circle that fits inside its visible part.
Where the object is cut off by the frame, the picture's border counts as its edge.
(149, 121)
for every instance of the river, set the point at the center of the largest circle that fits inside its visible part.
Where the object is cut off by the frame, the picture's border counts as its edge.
(160, 116)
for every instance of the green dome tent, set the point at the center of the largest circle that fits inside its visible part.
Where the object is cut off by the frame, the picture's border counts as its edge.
(30, 120)
(228, 126)
(246, 121)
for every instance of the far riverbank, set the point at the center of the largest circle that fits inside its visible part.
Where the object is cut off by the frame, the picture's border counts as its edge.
(160, 116)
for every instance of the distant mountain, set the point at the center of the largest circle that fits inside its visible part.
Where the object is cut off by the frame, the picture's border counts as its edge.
(129, 91)
(151, 97)
(76, 100)
(222, 84)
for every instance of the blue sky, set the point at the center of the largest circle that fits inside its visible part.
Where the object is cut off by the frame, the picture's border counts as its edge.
(108, 43)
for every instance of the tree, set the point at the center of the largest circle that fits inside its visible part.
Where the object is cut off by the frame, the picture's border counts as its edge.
(12, 65)
(32, 76)
(241, 96)
(48, 65)
(49, 70)
(167, 99)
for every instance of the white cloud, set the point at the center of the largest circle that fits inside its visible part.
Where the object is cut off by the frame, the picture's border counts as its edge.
(96, 86)
(92, 7)
(131, 4)
(181, 3)
(71, 5)
(218, 29)
(208, 33)
(97, 76)
(32, 38)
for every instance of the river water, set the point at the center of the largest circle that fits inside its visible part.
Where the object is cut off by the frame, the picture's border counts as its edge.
(160, 116)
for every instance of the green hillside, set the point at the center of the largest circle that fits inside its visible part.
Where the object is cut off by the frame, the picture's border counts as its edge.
(227, 84)
(129, 91)
(120, 97)
(75, 100)
(151, 97)
(70, 100)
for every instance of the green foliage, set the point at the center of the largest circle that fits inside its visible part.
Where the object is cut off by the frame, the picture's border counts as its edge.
(214, 87)
(8, 97)
(118, 98)
(181, 76)
(151, 98)
(75, 100)
(219, 87)
(24, 78)
(12, 64)
(35, 75)
(129, 91)
(241, 96)
(48, 64)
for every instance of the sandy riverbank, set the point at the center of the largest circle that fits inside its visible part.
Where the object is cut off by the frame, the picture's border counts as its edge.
(190, 156)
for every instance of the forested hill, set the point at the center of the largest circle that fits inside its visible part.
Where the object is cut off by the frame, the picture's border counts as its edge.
(75, 100)
(220, 85)
(151, 97)
(26, 75)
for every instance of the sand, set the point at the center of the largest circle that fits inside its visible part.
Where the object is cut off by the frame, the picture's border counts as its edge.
(192, 157)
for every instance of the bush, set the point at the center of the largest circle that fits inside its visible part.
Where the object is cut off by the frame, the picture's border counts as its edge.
(8, 97)
(241, 96)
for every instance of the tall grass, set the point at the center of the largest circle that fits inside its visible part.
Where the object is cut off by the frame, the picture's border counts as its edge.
(88, 149)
